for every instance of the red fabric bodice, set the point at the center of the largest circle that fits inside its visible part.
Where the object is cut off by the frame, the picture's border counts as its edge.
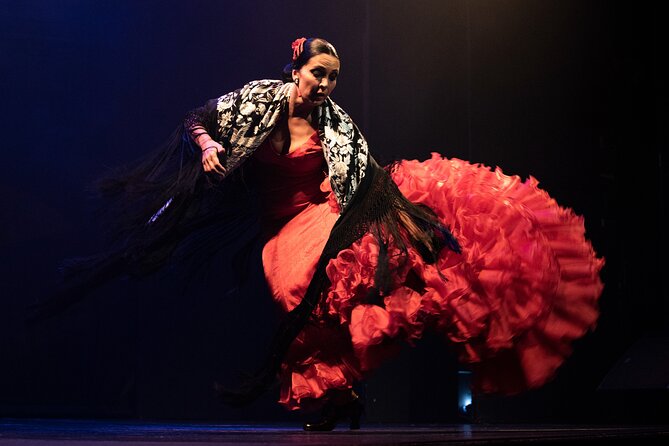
(289, 183)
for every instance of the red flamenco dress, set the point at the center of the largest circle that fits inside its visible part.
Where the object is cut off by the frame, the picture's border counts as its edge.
(524, 287)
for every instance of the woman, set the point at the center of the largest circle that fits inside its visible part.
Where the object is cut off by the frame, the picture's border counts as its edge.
(361, 257)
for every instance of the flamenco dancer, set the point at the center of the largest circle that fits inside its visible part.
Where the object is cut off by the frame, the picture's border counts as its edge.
(361, 258)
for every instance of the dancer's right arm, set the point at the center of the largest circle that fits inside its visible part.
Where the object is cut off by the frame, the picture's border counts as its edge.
(210, 151)
(197, 124)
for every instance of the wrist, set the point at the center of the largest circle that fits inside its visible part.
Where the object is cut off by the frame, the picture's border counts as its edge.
(203, 140)
(198, 134)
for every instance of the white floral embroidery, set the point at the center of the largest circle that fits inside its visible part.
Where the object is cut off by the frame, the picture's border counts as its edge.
(340, 168)
(247, 108)
(240, 120)
(362, 158)
(225, 102)
(330, 134)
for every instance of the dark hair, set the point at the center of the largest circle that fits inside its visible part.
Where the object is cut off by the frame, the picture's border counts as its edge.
(313, 46)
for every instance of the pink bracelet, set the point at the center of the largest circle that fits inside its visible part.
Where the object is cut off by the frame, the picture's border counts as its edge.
(208, 148)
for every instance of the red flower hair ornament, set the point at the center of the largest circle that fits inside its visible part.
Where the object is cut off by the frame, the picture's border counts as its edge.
(298, 47)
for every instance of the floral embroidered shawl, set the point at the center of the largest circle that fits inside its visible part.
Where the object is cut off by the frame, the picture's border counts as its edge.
(247, 116)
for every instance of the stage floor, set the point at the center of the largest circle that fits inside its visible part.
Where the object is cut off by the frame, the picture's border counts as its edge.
(53, 432)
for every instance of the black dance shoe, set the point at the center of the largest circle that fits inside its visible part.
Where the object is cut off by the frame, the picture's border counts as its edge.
(333, 413)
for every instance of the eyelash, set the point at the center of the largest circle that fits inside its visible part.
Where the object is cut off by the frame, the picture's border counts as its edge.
(319, 74)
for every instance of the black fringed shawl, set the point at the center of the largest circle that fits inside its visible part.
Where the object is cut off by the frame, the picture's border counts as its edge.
(168, 196)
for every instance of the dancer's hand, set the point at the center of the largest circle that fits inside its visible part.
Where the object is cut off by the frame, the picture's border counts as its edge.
(210, 160)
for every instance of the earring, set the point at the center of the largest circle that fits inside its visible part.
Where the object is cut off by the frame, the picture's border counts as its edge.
(297, 81)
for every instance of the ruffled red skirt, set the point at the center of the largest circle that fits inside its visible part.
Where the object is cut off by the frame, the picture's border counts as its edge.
(524, 287)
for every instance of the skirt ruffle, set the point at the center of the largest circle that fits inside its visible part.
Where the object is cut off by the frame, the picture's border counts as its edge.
(525, 286)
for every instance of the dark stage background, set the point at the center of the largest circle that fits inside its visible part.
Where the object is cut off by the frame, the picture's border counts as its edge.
(571, 92)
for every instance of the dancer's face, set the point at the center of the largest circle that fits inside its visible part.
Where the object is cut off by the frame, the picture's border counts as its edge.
(317, 78)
